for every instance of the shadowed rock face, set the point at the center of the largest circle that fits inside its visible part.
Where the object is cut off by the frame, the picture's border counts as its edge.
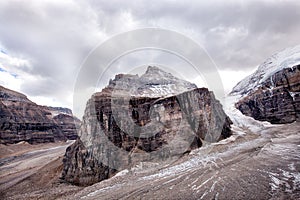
(120, 130)
(277, 100)
(23, 120)
(67, 124)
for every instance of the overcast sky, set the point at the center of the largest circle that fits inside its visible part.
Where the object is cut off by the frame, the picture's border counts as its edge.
(44, 43)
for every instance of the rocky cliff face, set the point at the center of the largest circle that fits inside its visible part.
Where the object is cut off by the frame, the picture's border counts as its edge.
(277, 100)
(68, 125)
(122, 127)
(272, 93)
(23, 120)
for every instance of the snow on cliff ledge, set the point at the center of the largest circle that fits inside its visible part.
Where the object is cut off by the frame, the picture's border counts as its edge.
(283, 59)
(154, 83)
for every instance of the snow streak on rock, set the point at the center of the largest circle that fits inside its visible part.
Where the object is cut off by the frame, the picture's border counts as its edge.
(281, 60)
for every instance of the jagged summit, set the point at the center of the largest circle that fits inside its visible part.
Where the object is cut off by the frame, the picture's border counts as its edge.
(156, 75)
(153, 83)
(155, 70)
(151, 69)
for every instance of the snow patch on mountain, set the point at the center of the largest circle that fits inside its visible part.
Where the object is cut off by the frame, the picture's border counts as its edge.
(154, 83)
(240, 121)
(278, 61)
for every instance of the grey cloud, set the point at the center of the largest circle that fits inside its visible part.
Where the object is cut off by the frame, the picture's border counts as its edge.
(269, 25)
(56, 36)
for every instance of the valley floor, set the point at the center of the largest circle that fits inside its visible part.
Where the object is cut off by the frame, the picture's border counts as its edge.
(33, 171)
(249, 165)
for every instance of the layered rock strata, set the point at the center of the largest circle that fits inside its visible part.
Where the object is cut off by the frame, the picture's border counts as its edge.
(277, 100)
(24, 120)
(120, 130)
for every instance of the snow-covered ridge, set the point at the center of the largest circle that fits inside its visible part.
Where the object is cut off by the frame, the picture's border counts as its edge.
(154, 83)
(278, 61)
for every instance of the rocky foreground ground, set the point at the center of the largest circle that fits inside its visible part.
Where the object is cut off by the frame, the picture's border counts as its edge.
(248, 165)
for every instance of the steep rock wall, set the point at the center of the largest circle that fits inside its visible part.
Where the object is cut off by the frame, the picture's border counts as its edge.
(118, 132)
(277, 100)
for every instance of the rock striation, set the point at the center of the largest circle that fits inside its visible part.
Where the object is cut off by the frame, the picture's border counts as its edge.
(142, 119)
(68, 124)
(272, 93)
(24, 120)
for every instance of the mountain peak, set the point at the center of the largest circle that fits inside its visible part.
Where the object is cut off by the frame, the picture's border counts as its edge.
(151, 69)
(153, 83)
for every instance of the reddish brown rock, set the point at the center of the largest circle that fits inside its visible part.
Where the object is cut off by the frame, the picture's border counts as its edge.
(23, 120)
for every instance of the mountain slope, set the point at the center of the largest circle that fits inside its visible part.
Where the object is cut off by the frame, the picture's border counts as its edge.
(282, 60)
(272, 92)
